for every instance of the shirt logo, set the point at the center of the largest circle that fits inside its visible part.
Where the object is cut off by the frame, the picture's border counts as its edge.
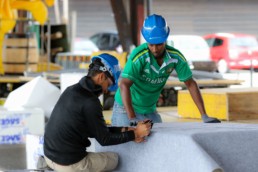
(148, 60)
(154, 80)
(146, 70)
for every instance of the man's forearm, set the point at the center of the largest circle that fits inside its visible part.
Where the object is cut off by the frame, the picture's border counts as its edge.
(127, 101)
(196, 96)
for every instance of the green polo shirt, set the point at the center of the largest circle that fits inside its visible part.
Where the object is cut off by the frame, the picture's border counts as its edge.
(149, 78)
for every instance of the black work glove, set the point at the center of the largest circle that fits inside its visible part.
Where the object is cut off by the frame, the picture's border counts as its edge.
(134, 122)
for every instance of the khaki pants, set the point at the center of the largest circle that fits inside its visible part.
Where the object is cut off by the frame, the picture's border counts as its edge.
(93, 162)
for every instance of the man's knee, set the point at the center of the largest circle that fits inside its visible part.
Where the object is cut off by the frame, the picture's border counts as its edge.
(113, 160)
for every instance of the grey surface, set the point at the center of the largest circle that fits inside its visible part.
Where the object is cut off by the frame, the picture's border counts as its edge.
(191, 147)
(12, 157)
(173, 147)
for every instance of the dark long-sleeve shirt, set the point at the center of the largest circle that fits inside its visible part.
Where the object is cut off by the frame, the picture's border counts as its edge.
(76, 117)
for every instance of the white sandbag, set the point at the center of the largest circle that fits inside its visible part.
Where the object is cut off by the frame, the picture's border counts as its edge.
(37, 93)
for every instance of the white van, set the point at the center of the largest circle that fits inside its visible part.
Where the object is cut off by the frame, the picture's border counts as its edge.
(195, 49)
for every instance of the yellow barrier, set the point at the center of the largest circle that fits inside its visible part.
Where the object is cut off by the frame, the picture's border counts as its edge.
(215, 104)
(222, 103)
(44, 66)
(84, 65)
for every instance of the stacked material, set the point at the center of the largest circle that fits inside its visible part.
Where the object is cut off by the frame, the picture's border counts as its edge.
(20, 53)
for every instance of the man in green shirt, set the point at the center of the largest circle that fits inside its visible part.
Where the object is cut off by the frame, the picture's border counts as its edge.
(145, 74)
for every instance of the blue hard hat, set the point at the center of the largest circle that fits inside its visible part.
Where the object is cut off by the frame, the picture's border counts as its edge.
(155, 29)
(111, 65)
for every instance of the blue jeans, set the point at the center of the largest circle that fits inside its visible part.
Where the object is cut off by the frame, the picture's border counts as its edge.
(120, 118)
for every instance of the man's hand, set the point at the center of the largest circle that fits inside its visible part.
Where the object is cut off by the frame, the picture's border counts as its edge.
(139, 140)
(142, 129)
(207, 119)
(148, 121)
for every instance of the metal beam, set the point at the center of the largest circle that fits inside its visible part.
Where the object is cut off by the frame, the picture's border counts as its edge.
(123, 26)
(137, 18)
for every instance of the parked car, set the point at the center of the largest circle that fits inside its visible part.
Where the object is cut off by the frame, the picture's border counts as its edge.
(84, 47)
(107, 41)
(233, 50)
(195, 49)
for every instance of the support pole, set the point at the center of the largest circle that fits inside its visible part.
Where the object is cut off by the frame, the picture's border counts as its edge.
(48, 45)
(122, 24)
(57, 12)
(149, 7)
(73, 29)
(137, 18)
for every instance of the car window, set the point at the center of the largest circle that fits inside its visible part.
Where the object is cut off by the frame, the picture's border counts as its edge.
(214, 42)
(217, 42)
(95, 39)
(104, 42)
(210, 41)
(243, 42)
(114, 41)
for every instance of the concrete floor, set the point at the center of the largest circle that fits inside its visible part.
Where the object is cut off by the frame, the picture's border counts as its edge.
(13, 157)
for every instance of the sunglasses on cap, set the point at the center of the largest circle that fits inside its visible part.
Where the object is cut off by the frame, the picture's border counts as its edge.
(108, 73)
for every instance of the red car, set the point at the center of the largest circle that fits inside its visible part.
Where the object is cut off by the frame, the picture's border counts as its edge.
(233, 51)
